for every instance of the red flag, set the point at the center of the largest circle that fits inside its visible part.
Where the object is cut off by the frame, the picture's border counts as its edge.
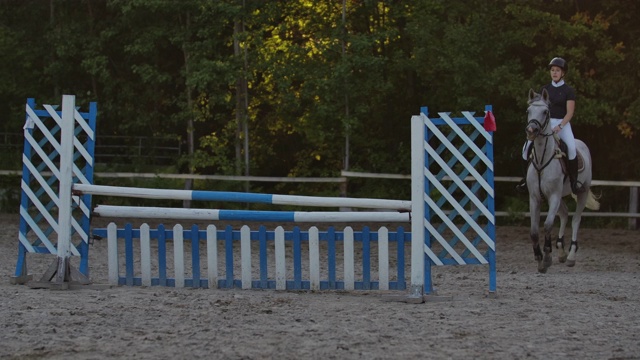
(489, 121)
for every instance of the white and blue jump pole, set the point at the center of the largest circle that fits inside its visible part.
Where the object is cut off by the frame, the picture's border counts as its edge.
(139, 212)
(273, 199)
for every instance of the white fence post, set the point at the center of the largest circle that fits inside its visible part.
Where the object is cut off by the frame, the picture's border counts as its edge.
(417, 207)
(64, 192)
(633, 207)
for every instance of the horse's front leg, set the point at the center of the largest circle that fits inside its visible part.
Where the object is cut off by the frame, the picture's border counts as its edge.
(534, 214)
(554, 203)
(563, 213)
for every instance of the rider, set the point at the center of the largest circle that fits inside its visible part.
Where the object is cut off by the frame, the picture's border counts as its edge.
(562, 100)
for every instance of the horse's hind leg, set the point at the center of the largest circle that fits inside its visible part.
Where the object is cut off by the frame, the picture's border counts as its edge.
(563, 213)
(581, 201)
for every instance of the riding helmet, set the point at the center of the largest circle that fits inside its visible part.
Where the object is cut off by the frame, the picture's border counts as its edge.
(559, 62)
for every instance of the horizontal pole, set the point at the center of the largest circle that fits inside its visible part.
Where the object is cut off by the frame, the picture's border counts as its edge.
(132, 175)
(345, 174)
(81, 189)
(355, 174)
(584, 214)
(224, 177)
(395, 176)
(139, 212)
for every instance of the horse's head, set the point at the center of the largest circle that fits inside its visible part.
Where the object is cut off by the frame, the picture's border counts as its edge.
(537, 113)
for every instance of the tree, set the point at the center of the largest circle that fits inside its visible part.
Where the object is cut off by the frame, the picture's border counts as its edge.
(315, 81)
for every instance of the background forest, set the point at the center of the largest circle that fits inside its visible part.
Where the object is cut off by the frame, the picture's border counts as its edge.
(309, 88)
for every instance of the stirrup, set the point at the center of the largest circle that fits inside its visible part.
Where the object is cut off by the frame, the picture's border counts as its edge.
(577, 188)
(522, 186)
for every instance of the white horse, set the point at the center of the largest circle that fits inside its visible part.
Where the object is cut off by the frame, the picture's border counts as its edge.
(547, 180)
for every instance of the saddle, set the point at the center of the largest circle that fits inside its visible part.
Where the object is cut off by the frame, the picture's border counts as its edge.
(561, 153)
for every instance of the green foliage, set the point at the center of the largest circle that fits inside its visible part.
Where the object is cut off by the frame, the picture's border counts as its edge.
(319, 82)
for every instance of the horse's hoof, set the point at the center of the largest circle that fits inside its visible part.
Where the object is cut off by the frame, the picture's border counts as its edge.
(548, 260)
(571, 263)
(562, 258)
(541, 267)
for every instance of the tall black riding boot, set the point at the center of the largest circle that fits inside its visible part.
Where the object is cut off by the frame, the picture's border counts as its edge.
(576, 186)
(522, 185)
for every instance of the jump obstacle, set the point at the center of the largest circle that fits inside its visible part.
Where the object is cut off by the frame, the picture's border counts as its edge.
(452, 219)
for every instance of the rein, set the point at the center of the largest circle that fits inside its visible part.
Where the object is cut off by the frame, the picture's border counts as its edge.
(536, 163)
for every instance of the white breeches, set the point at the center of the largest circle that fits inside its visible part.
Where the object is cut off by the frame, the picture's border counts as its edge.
(566, 134)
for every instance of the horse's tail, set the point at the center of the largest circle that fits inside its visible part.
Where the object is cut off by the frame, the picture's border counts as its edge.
(592, 201)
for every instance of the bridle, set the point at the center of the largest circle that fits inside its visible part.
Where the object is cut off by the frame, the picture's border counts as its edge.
(541, 126)
(540, 164)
